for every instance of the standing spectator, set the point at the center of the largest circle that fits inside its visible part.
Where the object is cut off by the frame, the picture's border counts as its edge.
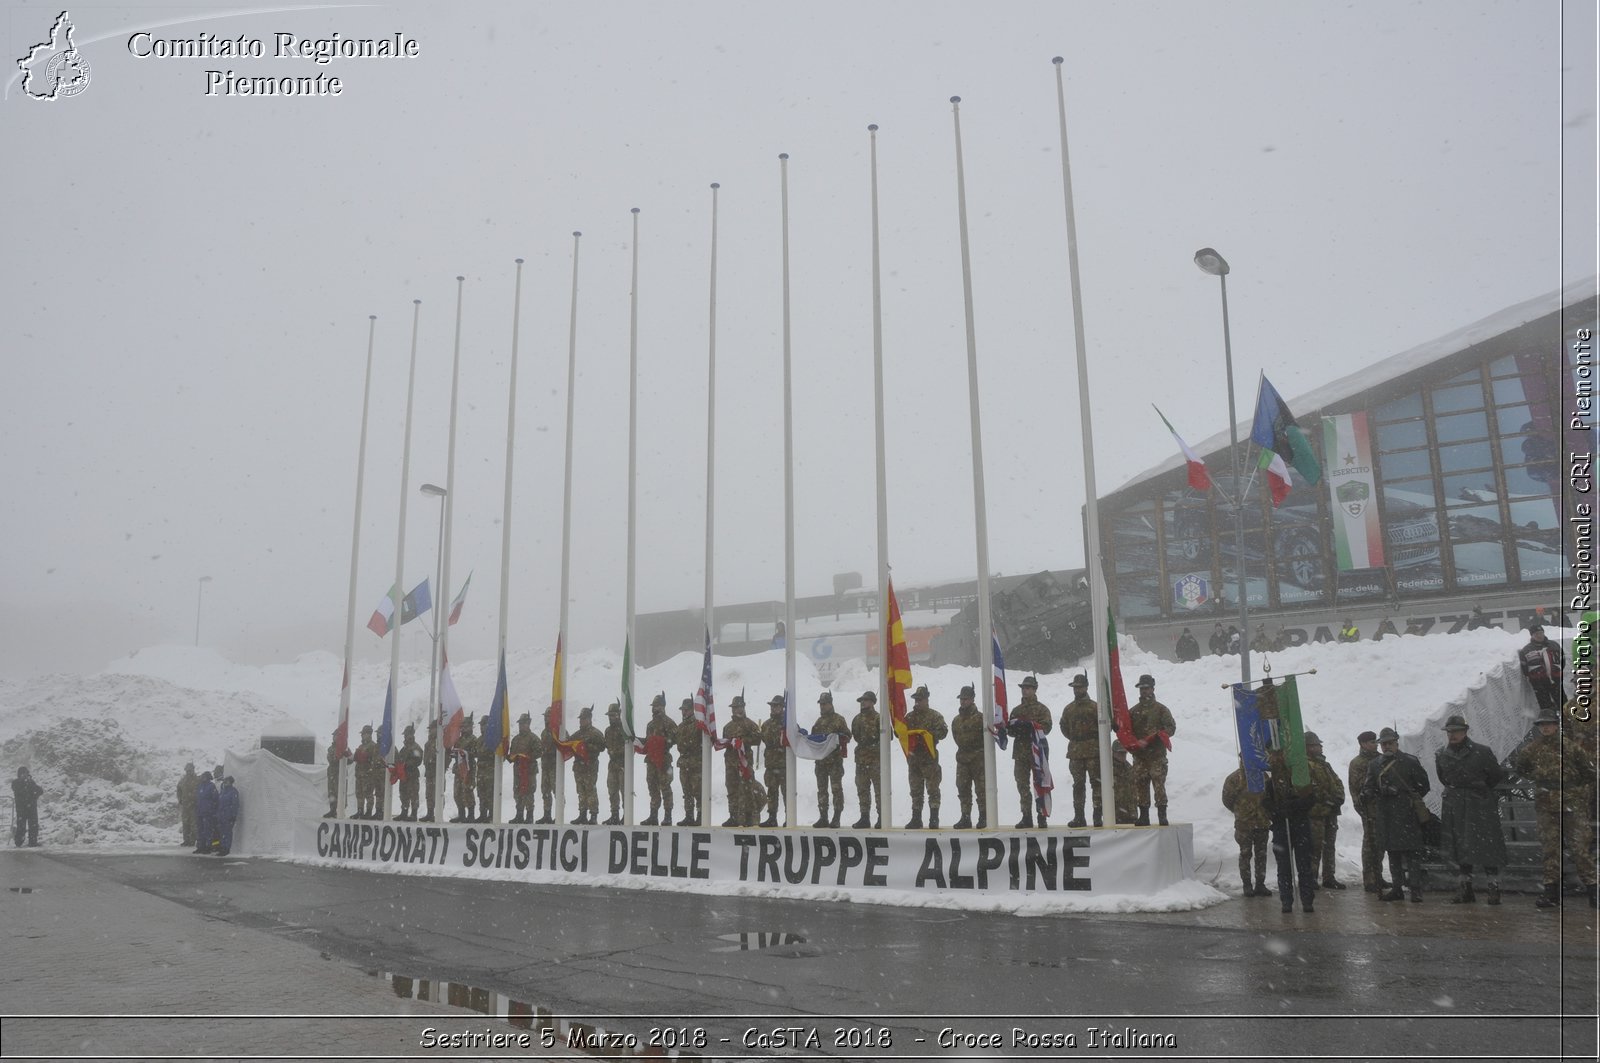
(186, 788)
(205, 813)
(1542, 665)
(227, 816)
(1349, 632)
(26, 794)
(1218, 643)
(1329, 800)
(1394, 787)
(1235, 641)
(1469, 774)
(1562, 775)
(1188, 649)
(1250, 823)
(1371, 856)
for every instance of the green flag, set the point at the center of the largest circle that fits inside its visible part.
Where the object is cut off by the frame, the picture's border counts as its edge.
(1292, 732)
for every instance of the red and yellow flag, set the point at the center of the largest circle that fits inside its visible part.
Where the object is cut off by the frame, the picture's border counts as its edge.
(556, 693)
(898, 661)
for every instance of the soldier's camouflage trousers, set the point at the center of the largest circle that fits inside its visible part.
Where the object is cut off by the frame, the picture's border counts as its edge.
(830, 779)
(774, 776)
(1252, 853)
(970, 781)
(1324, 832)
(1147, 773)
(1085, 770)
(659, 783)
(925, 775)
(867, 782)
(1569, 825)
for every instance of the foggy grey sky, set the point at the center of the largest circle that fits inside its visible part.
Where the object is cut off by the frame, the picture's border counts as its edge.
(184, 305)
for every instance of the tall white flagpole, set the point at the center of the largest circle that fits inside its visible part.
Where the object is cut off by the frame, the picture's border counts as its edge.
(1097, 596)
(563, 641)
(789, 693)
(706, 751)
(441, 616)
(342, 733)
(885, 730)
(633, 514)
(980, 507)
(400, 547)
(505, 509)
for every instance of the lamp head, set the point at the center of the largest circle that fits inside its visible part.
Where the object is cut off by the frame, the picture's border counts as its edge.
(1211, 262)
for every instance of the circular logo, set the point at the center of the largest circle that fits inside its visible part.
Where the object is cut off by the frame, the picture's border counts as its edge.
(67, 73)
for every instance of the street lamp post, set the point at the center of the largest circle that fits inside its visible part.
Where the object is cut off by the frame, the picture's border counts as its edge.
(1210, 262)
(199, 594)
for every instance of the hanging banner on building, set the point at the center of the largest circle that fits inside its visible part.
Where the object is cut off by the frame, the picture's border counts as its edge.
(1347, 455)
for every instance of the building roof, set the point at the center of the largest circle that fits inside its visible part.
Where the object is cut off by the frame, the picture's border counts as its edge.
(1392, 367)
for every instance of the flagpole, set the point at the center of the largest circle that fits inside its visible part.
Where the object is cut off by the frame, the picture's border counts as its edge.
(789, 693)
(885, 731)
(711, 500)
(1097, 602)
(980, 507)
(565, 644)
(342, 733)
(633, 517)
(505, 509)
(400, 552)
(442, 623)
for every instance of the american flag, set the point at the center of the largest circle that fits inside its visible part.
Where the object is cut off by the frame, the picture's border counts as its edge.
(704, 711)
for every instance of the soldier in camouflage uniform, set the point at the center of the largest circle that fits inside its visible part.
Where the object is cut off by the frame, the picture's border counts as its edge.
(617, 744)
(524, 752)
(334, 767)
(430, 764)
(410, 756)
(687, 737)
(829, 770)
(190, 782)
(1371, 856)
(1150, 719)
(1329, 800)
(549, 760)
(369, 777)
(659, 735)
(1394, 787)
(970, 734)
(486, 770)
(1471, 827)
(586, 766)
(865, 731)
(462, 758)
(1080, 723)
(1251, 820)
(742, 737)
(1033, 710)
(922, 767)
(775, 762)
(1562, 774)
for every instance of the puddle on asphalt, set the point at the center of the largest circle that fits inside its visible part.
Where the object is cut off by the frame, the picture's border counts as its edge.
(550, 1029)
(778, 944)
(20, 889)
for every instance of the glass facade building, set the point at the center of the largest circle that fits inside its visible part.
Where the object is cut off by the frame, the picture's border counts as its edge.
(1446, 478)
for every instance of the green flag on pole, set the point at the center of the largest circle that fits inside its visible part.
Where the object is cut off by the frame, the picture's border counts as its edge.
(1292, 733)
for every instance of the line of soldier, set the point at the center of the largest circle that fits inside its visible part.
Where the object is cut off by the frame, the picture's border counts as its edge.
(1387, 787)
(744, 743)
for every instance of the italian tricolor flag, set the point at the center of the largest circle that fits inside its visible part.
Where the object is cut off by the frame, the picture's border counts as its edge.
(1199, 479)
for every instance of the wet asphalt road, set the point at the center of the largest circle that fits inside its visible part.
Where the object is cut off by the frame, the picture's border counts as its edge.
(1358, 979)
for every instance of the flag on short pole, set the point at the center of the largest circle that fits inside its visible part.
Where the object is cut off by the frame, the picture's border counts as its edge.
(460, 600)
(1282, 443)
(1002, 714)
(1291, 732)
(1255, 737)
(412, 606)
(1199, 478)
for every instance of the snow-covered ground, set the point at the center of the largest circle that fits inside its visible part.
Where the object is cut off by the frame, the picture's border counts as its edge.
(108, 748)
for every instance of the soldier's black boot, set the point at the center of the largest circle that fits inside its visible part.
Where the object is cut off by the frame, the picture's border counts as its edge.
(1099, 818)
(666, 815)
(1288, 902)
(1144, 817)
(965, 822)
(983, 820)
(1464, 894)
(863, 822)
(933, 819)
(1262, 890)
(915, 823)
(1077, 819)
(822, 815)
(1306, 897)
(547, 817)
(1044, 821)
(834, 822)
(1026, 820)
(332, 812)
(1550, 898)
(653, 820)
(1161, 815)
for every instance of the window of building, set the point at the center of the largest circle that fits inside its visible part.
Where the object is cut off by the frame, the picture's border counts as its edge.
(1134, 544)
(1403, 463)
(1402, 435)
(1411, 539)
(1190, 551)
(1299, 555)
(1461, 426)
(1462, 397)
(1400, 409)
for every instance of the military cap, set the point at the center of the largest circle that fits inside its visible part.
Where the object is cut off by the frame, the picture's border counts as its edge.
(1388, 734)
(1029, 681)
(365, 730)
(1147, 680)
(659, 699)
(825, 698)
(228, 780)
(587, 710)
(737, 702)
(870, 696)
(410, 729)
(687, 703)
(614, 709)
(1366, 736)
(777, 699)
(1312, 739)
(525, 718)
(1456, 723)
(920, 694)
(1080, 680)
(1548, 716)
(968, 692)
(206, 775)
(189, 766)
(484, 718)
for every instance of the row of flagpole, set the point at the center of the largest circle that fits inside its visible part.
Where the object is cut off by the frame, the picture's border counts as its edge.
(891, 691)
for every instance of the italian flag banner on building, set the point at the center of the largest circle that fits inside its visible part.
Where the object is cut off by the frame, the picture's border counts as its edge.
(1352, 488)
